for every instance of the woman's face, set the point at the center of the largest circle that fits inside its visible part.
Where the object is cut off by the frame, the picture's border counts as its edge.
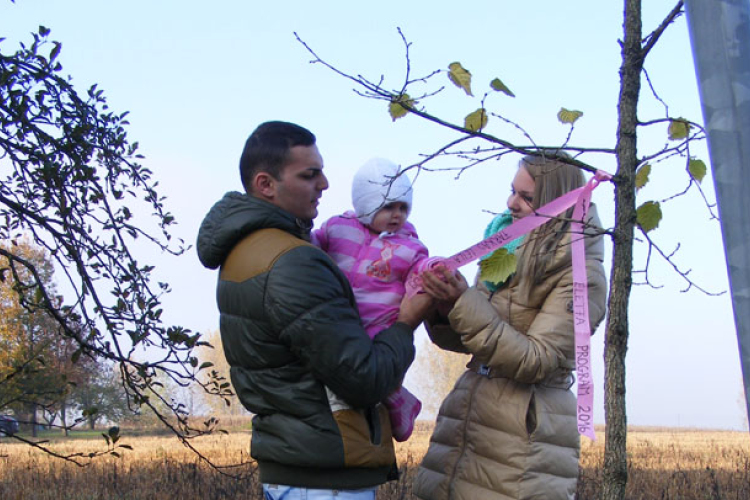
(521, 194)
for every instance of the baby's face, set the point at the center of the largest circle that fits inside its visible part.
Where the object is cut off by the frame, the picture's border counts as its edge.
(390, 218)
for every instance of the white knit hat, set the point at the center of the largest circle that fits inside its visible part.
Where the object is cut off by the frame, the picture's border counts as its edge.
(374, 186)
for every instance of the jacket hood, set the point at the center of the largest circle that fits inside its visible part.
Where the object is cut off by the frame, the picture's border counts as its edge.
(235, 216)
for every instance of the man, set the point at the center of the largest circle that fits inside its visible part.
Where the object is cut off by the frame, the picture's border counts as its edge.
(290, 327)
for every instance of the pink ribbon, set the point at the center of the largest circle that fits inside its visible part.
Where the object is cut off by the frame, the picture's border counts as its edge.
(582, 326)
(581, 198)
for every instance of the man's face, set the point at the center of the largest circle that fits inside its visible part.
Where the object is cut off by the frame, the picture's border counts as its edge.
(302, 183)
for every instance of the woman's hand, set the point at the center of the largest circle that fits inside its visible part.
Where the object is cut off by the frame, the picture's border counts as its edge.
(444, 286)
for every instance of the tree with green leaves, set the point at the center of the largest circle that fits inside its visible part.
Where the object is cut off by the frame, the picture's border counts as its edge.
(98, 395)
(38, 377)
(72, 185)
(481, 138)
(30, 377)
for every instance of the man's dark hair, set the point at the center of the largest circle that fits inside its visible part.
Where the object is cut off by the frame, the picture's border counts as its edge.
(267, 149)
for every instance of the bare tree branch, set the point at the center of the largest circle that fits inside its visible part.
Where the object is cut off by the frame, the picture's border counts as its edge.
(654, 36)
(669, 259)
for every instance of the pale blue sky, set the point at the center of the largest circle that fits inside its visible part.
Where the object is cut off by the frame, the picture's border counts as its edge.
(197, 77)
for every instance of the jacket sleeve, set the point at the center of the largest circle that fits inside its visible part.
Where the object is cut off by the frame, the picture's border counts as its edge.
(549, 343)
(319, 237)
(420, 256)
(416, 265)
(310, 303)
(442, 335)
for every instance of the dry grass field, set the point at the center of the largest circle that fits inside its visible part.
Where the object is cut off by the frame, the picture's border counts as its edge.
(664, 464)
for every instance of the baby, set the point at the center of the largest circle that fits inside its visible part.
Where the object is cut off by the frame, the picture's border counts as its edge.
(377, 248)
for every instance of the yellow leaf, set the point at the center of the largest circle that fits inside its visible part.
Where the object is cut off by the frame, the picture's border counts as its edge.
(460, 77)
(476, 121)
(697, 169)
(568, 115)
(499, 86)
(649, 215)
(396, 110)
(497, 267)
(641, 176)
(678, 130)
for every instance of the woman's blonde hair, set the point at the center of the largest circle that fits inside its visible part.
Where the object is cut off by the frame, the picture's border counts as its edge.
(552, 179)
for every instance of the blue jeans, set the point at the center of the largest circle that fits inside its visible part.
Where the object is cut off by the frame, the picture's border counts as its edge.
(281, 492)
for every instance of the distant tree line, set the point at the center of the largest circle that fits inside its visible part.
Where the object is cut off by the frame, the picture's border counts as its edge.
(41, 381)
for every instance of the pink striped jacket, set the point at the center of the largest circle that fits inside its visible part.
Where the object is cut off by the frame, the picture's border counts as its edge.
(377, 265)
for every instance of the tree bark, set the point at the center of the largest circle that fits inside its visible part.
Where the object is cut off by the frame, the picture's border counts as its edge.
(34, 420)
(64, 417)
(616, 336)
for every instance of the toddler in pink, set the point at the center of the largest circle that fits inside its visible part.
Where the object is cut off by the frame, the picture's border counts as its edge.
(376, 247)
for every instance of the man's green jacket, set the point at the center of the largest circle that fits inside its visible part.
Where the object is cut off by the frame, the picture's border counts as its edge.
(289, 326)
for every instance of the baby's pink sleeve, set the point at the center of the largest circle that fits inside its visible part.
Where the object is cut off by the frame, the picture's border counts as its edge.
(418, 264)
(319, 237)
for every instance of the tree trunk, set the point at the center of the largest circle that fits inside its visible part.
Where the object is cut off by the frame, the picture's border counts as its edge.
(64, 417)
(616, 336)
(33, 419)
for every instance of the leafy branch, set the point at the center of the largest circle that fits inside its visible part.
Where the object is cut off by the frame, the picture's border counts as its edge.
(475, 122)
(680, 132)
(72, 184)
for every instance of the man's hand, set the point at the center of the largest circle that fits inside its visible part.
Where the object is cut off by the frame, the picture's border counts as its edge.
(414, 309)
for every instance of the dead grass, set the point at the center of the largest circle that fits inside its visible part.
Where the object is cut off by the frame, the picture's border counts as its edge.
(664, 464)
(674, 464)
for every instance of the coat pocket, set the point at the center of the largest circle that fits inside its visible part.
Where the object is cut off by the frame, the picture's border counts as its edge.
(531, 416)
(366, 438)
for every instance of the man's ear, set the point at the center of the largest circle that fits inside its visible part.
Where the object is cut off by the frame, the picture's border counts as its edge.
(264, 185)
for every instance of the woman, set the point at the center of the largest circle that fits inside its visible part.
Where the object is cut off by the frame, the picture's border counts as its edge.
(508, 429)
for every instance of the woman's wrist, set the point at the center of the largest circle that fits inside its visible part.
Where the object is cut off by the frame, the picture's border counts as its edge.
(443, 309)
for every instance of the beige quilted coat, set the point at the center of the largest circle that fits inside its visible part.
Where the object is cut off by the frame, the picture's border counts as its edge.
(511, 433)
